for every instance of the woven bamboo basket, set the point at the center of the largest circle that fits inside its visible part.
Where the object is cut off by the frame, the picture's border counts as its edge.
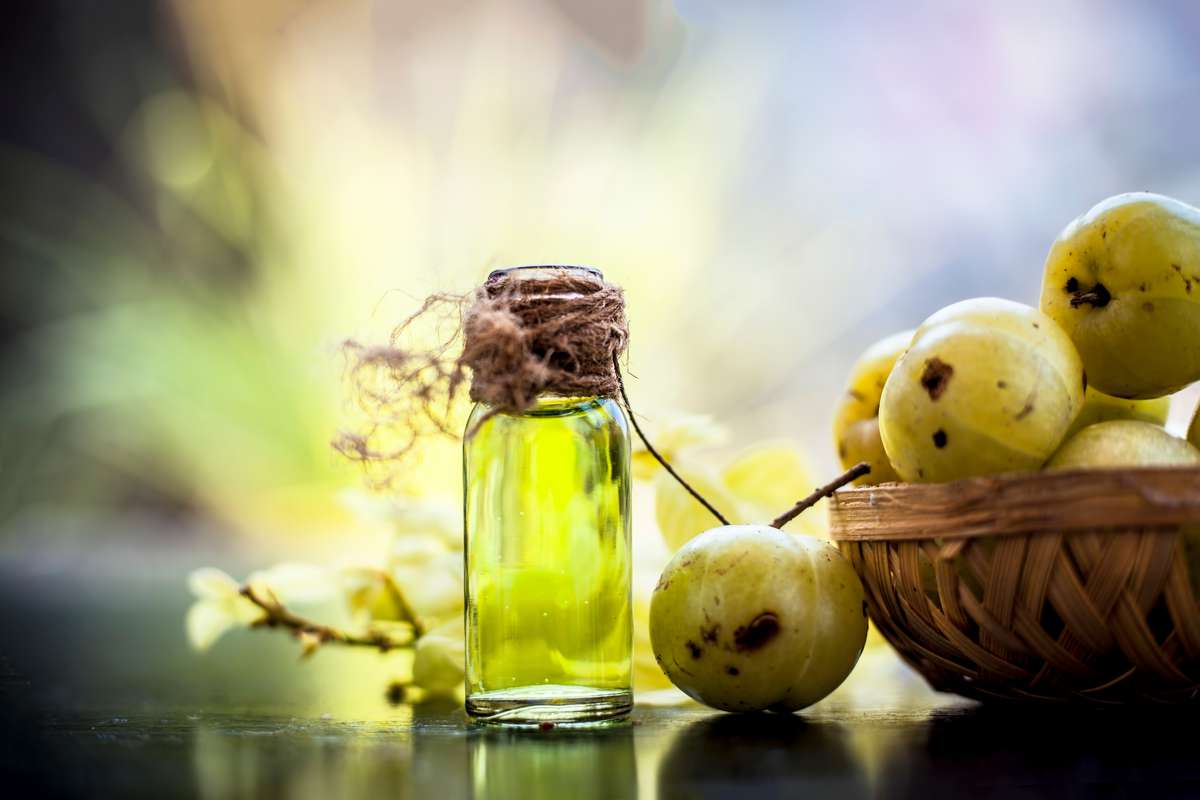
(1053, 587)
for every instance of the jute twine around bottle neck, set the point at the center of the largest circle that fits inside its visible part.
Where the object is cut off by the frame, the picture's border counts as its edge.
(557, 332)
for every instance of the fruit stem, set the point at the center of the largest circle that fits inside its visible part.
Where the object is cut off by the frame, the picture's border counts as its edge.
(857, 471)
(658, 456)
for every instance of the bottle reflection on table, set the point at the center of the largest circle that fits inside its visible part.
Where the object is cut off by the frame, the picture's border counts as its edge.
(552, 765)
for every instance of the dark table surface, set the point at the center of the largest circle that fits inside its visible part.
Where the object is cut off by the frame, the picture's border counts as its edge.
(101, 698)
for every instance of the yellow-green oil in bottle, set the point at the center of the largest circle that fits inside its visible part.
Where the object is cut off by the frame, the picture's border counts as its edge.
(548, 563)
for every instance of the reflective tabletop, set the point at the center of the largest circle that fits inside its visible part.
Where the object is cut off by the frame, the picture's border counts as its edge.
(103, 699)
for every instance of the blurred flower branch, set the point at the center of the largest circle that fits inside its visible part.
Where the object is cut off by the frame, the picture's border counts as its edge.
(410, 604)
(312, 635)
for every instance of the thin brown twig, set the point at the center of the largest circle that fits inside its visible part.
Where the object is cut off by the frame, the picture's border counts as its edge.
(658, 456)
(857, 471)
(409, 615)
(278, 616)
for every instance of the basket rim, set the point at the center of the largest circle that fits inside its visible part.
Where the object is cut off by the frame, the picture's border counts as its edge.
(1070, 500)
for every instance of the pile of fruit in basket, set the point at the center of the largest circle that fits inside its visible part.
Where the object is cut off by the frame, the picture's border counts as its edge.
(990, 386)
(749, 618)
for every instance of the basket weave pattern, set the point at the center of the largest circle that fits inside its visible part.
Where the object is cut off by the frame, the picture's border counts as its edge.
(1055, 587)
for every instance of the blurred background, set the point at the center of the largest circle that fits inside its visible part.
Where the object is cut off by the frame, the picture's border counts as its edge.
(202, 200)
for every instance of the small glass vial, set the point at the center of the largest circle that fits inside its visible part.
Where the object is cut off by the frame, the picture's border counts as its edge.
(548, 560)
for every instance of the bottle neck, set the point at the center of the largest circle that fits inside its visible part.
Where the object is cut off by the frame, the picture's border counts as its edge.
(552, 405)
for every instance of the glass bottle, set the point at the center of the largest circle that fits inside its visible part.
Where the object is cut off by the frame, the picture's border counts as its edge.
(548, 560)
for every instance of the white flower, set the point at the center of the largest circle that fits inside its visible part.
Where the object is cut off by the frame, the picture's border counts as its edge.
(424, 557)
(434, 590)
(438, 664)
(678, 432)
(375, 600)
(295, 584)
(441, 518)
(219, 607)
(429, 570)
(309, 590)
(416, 549)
